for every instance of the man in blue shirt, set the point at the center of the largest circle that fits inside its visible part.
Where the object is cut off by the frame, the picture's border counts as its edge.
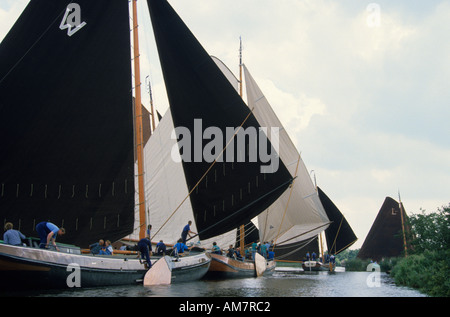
(145, 246)
(47, 232)
(186, 231)
(180, 247)
(160, 248)
(12, 236)
(96, 247)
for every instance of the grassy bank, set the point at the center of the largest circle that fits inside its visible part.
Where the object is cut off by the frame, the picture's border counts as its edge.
(429, 272)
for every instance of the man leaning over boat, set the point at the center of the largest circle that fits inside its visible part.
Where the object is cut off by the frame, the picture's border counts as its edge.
(47, 232)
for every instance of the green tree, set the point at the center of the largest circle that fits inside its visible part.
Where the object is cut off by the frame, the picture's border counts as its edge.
(430, 231)
(427, 266)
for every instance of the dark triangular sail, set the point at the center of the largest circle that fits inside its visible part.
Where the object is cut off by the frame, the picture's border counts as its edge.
(385, 238)
(231, 193)
(339, 234)
(66, 120)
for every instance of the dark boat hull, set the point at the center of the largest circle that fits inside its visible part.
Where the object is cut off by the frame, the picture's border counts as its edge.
(225, 267)
(317, 266)
(25, 268)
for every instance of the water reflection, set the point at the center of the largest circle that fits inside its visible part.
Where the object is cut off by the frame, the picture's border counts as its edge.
(285, 283)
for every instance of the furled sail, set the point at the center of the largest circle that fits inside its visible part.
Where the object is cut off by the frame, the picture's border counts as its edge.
(339, 235)
(201, 99)
(298, 214)
(385, 238)
(66, 120)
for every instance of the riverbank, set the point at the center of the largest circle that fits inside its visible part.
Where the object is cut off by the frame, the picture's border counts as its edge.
(428, 272)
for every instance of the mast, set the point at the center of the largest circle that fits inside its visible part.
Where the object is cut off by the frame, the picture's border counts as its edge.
(242, 227)
(139, 132)
(152, 112)
(400, 204)
(240, 67)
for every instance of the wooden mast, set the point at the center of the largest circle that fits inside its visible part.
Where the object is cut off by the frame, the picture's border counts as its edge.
(138, 124)
(242, 227)
(403, 224)
(152, 114)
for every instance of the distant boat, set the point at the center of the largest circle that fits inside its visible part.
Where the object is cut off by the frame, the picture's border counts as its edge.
(297, 215)
(316, 266)
(226, 267)
(302, 212)
(339, 236)
(387, 236)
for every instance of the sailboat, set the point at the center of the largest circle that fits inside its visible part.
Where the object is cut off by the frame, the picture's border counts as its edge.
(387, 236)
(297, 215)
(339, 236)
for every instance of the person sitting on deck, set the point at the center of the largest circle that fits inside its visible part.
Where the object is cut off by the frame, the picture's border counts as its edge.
(254, 249)
(11, 236)
(160, 248)
(237, 253)
(180, 247)
(332, 259)
(107, 249)
(271, 255)
(216, 249)
(230, 251)
(97, 246)
(264, 250)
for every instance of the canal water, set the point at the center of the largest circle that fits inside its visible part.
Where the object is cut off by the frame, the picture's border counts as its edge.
(284, 283)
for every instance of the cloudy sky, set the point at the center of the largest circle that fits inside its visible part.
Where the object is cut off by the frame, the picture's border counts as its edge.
(361, 87)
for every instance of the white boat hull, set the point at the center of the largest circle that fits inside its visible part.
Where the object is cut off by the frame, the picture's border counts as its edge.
(39, 268)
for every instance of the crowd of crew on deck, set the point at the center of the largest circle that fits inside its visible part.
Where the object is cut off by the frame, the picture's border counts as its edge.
(48, 232)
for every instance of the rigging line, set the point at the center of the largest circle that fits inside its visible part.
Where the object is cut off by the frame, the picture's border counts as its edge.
(34, 44)
(266, 222)
(335, 237)
(347, 246)
(204, 175)
(287, 205)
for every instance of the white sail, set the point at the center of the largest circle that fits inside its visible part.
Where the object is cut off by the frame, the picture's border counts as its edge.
(298, 214)
(165, 185)
(166, 188)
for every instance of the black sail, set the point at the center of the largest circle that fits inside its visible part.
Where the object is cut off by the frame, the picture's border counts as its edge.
(385, 238)
(66, 120)
(231, 193)
(339, 235)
